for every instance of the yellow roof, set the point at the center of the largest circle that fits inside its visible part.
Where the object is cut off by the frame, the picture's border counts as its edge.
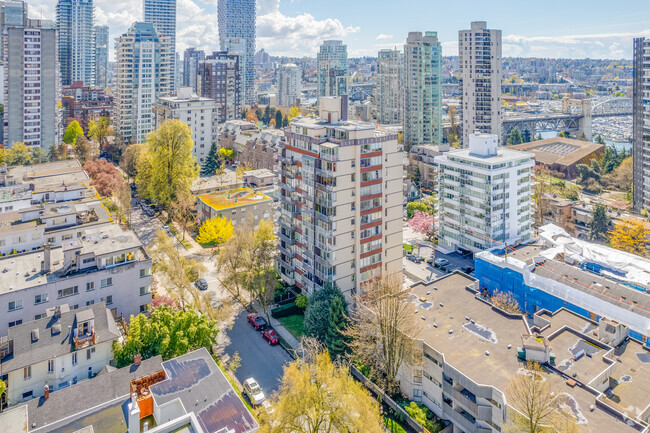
(233, 198)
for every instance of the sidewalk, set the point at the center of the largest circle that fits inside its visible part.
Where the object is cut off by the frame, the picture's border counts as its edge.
(281, 330)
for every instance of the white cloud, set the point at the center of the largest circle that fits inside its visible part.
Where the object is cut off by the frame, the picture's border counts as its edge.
(383, 37)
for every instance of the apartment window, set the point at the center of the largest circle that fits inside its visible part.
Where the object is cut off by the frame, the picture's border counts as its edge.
(417, 393)
(90, 286)
(28, 394)
(144, 290)
(15, 323)
(89, 352)
(50, 366)
(15, 305)
(144, 272)
(108, 299)
(62, 293)
(27, 372)
(74, 358)
(91, 302)
(143, 308)
(107, 282)
(39, 299)
(40, 316)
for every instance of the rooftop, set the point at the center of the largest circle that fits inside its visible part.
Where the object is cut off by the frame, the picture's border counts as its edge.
(47, 338)
(468, 327)
(233, 198)
(503, 155)
(559, 150)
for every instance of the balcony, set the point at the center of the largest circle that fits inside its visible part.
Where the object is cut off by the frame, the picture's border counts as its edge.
(85, 340)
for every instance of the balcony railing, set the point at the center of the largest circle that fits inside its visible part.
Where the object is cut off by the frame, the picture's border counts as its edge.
(85, 340)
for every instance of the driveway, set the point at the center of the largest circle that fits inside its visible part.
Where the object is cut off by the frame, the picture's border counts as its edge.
(258, 359)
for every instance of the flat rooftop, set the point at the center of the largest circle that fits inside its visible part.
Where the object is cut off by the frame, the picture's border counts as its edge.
(559, 150)
(503, 155)
(233, 198)
(448, 303)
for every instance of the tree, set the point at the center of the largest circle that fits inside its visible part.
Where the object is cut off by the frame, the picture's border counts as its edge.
(84, 150)
(213, 162)
(278, 119)
(129, 159)
(3, 388)
(182, 209)
(621, 178)
(422, 223)
(99, 129)
(232, 259)
(170, 168)
(379, 328)
(453, 139)
(294, 112)
(242, 168)
(122, 197)
(252, 117)
(72, 132)
(318, 396)
(38, 155)
(103, 176)
(167, 332)
(562, 134)
(261, 278)
(317, 313)
(582, 137)
(630, 235)
(335, 339)
(413, 206)
(590, 176)
(215, 231)
(506, 302)
(600, 221)
(18, 154)
(515, 137)
(227, 153)
(599, 140)
(541, 188)
(266, 118)
(285, 121)
(272, 123)
(531, 394)
(538, 137)
(526, 136)
(178, 271)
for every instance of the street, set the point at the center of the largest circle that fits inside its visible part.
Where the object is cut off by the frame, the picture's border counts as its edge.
(258, 359)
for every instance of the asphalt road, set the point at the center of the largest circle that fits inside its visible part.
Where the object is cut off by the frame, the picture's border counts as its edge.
(258, 359)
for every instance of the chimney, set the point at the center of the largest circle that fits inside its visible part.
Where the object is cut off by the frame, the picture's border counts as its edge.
(47, 250)
(137, 359)
(46, 392)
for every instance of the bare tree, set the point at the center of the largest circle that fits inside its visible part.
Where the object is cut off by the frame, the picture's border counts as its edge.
(541, 187)
(232, 260)
(182, 211)
(383, 329)
(506, 302)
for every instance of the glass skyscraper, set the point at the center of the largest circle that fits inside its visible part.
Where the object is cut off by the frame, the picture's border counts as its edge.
(74, 22)
(101, 56)
(237, 20)
(162, 14)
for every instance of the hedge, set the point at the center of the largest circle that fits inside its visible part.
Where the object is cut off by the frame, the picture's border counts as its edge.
(286, 310)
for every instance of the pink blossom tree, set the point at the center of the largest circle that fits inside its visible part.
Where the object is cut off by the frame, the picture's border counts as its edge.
(422, 223)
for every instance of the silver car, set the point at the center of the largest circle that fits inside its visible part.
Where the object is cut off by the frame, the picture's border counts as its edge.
(253, 391)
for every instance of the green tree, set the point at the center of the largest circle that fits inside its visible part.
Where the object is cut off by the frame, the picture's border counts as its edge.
(526, 136)
(99, 129)
(599, 140)
(213, 162)
(18, 154)
(278, 119)
(562, 134)
(411, 207)
(169, 167)
(227, 153)
(317, 313)
(335, 339)
(515, 137)
(39, 155)
(84, 150)
(600, 221)
(166, 332)
(129, 159)
(266, 118)
(285, 121)
(71, 133)
(259, 114)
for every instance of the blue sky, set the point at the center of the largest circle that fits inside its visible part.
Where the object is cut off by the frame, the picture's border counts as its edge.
(552, 28)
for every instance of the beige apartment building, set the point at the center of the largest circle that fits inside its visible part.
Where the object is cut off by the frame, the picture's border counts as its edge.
(341, 196)
(481, 69)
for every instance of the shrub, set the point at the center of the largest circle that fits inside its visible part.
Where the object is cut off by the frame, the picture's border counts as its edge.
(302, 301)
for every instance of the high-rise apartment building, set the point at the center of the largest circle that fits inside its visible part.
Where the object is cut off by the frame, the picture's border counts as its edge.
(12, 14)
(162, 14)
(75, 32)
(31, 85)
(484, 195)
(191, 59)
(341, 195)
(220, 80)
(142, 75)
(480, 63)
(390, 74)
(641, 124)
(332, 69)
(200, 114)
(289, 78)
(238, 46)
(101, 56)
(422, 90)
(237, 20)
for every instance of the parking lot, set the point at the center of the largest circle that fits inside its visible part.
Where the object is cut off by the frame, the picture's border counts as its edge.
(427, 272)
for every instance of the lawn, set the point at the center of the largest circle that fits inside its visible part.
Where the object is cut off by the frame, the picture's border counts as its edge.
(408, 248)
(294, 324)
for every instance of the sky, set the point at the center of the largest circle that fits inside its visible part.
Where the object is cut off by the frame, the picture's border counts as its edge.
(550, 28)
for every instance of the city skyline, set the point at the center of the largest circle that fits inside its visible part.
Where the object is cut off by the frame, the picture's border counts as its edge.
(297, 28)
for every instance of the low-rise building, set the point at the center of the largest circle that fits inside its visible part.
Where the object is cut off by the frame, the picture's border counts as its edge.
(199, 113)
(84, 103)
(184, 394)
(260, 178)
(259, 149)
(562, 155)
(105, 264)
(56, 351)
(471, 349)
(236, 204)
(422, 165)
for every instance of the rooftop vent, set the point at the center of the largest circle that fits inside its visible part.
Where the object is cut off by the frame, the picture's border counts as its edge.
(34, 335)
(56, 328)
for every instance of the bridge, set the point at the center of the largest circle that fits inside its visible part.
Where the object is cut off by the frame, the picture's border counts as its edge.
(356, 91)
(576, 117)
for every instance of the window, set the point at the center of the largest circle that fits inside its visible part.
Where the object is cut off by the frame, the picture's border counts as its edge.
(90, 286)
(39, 299)
(50, 366)
(27, 372)
(74, 358)
(27, 394)
(15, 305)
(89, 352)
(15, 323)
(107, 282)
(91, 302)
(62, 293)
(108, 300)
(144, 290)
(143, 308)
(40, 316)
(145, 272)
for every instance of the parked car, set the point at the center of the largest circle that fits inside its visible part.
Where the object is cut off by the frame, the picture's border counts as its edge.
(166, 228)
(201, 284)
(467, 269)
(464, 252)
(256, 321)
(253, 391)
(429, 260)
(442, 262)
(267, 406)
(413, 258)
(271, 336)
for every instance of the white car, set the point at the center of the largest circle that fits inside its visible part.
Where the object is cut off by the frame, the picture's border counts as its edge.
(254, 392)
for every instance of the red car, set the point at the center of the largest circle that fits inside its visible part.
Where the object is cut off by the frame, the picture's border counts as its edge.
(271, 336)
(256, 321)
